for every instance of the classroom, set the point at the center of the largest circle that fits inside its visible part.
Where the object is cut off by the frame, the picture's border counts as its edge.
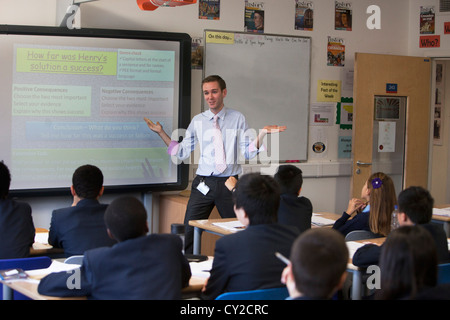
(387, 28)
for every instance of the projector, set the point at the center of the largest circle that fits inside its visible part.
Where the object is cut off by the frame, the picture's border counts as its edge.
(155, 4)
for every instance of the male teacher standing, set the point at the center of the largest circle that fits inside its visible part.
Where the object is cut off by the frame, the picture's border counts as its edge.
(220, 132)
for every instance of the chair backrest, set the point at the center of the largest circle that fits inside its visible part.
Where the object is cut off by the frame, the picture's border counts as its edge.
(77, 259)
(360, 235)
(26, 263)
(444, 273)
(261, 294)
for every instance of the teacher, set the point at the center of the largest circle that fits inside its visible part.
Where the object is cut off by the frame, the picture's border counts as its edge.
(220, 132)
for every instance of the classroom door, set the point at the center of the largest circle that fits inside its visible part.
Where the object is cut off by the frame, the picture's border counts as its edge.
(377, 77)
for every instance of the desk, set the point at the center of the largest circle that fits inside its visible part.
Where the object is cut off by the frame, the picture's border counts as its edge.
(42, 248)
(208, 226)
(442, 219)
(357, 283)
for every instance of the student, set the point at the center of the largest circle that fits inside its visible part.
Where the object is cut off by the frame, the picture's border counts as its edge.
(318, 266)
(208, 187)
(415, 207)
(294, 210)
(139, 266)
(374, 209)
(246, 260)
(16, 223)
(81, 227)
(408, 264)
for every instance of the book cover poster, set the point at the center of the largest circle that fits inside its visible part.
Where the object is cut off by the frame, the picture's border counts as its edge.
(209, 9)
(427, 19)
(335, 52)
(197, 53)
(304, 12)
(343, 16)
(254, 16)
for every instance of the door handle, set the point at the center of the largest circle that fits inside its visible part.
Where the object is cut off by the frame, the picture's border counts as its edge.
(360, 163)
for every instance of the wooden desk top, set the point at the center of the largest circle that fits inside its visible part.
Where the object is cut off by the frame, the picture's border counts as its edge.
(441, 218)
(29, 289)
(208, 224)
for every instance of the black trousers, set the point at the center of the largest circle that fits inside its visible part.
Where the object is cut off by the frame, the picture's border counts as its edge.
(200, 206)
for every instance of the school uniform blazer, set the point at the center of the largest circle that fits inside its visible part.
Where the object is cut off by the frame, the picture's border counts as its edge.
(147, 267)
(369, 254)
(80, 228)
(359, 222)
(246, 259)
(16, 229)
(295, 211)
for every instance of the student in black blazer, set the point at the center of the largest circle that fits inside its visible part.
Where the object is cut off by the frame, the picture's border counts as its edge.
(415, 207)
(139, 266)
(16, 224)
(318, 265)
(246, 259)
(81, 227)
(294, 210)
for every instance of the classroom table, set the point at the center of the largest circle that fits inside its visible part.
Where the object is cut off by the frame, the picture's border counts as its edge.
(29, 289)
(208, 226)
(445, 220)
(41, 247)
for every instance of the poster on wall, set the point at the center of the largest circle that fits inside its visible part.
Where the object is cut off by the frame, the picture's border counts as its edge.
(335, 52)
(427, 19)
(304, 14)
(343, 15)
(209, 9)
(439, 112)
(254, 16)
(197, 53)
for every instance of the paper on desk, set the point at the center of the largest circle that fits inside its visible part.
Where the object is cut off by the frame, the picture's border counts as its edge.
(41, 237)
(201, 269)
(56, 266)
(442, 212)
(317, 220)
(353, 246)
(230, 225)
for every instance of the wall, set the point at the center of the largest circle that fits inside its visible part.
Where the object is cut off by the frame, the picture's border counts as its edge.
(328, 175)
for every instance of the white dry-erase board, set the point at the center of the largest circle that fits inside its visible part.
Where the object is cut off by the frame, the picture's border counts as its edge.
(75, 97)
(268, 80)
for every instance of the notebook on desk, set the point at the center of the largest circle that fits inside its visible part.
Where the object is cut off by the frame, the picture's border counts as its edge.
(320, 221)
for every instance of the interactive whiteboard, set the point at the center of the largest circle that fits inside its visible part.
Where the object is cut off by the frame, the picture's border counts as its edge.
(74, 97)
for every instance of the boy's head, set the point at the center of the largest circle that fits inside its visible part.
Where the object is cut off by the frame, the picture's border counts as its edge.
(5, 180)
(126, 218)
(319, 260)
(257, 197)
(87, 182)
(289, 178)
(417, 204)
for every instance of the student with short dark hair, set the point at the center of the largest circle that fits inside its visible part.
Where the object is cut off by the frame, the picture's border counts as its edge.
(81, 227)
(294, 210)
(318, 265)
(16, 223)
(246, 259)
(139, 266)
(415, 207)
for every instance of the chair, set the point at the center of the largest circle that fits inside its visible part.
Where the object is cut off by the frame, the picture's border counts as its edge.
(444, 273)
(77, 259)
(260, 294)
(360, 235)
(25, 264)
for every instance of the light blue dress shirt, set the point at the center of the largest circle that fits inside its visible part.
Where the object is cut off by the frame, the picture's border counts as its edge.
(237, 139)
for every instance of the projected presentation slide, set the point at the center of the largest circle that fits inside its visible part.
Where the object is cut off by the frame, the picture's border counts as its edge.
(74, 101)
